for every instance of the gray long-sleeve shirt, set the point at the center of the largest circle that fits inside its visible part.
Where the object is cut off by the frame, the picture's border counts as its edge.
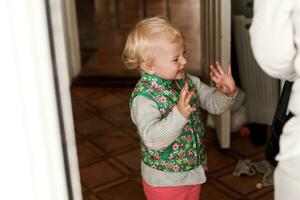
(158, 133)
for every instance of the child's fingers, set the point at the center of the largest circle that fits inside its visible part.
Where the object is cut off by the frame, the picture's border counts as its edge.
(187, 82)
(219, 68)
(213, 77)
(192, 109)
(184, 91)
(214, 71)
(189, 97)
(229, 69)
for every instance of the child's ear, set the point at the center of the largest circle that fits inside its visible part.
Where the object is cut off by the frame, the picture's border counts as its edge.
(148, 69)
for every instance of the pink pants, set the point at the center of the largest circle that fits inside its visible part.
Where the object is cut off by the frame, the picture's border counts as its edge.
(187, 192)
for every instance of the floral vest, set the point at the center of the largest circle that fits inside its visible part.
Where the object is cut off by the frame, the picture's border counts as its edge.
(187, 151)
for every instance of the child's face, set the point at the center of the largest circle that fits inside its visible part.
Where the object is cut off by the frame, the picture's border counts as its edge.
(169, 59)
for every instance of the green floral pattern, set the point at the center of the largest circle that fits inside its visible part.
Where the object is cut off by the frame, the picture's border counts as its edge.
(187, 151)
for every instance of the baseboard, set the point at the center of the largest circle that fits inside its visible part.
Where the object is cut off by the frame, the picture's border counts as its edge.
(100, 81)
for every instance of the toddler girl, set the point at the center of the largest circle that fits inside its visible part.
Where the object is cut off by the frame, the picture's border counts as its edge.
(166, 107)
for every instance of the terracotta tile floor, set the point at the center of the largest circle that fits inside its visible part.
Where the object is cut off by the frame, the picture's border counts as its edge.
(109, 153)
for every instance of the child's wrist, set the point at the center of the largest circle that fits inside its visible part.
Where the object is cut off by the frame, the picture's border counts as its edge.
(232, 94)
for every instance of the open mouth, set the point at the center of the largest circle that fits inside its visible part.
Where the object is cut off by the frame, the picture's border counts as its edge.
(181, 71)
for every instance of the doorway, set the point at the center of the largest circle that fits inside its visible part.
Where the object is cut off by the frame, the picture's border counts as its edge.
(107, 140)
(103, 27)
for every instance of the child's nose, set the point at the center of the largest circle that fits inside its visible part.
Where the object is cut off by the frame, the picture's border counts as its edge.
(183, 60)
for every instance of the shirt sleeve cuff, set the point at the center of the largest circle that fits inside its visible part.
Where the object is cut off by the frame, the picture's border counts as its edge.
(232, 96)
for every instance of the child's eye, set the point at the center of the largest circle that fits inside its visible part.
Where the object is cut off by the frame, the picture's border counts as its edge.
(175, 60)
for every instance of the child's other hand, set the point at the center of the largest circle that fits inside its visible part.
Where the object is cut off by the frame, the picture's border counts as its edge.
(224, 81)
(183, 105)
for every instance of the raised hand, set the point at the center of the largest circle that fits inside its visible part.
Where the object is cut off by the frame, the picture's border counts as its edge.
(183, 105)
(224, 81)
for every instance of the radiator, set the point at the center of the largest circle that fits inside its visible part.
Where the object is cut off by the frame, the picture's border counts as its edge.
(262, 91)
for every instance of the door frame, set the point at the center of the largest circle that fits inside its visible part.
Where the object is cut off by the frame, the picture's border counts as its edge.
(216, 29)
(65, 52)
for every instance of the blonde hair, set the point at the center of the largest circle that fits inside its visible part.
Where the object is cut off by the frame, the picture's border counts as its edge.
(137, 47)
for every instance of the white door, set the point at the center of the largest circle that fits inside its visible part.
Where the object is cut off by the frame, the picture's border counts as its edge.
(34, 112)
